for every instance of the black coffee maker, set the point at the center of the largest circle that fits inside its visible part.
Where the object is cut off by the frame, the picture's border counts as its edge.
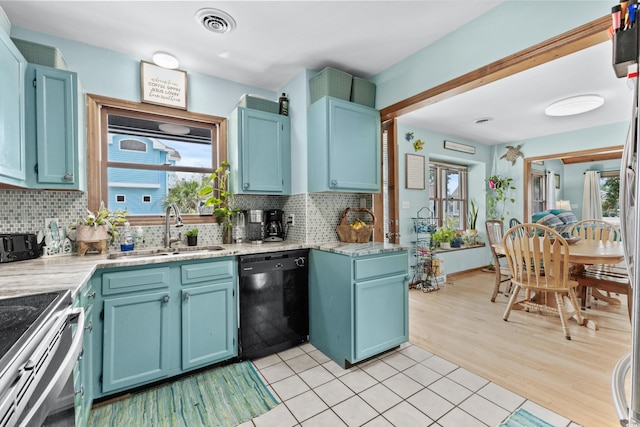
(273, 230)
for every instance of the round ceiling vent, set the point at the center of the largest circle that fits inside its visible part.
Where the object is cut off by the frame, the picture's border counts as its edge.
(216, 20)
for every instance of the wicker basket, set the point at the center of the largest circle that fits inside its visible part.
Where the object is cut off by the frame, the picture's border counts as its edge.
(350, 235)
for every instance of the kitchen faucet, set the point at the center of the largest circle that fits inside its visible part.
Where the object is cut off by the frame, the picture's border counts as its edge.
(168, 240)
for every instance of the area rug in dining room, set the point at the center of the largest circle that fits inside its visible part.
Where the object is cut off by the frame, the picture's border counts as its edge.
(524, 418)
(222, 396)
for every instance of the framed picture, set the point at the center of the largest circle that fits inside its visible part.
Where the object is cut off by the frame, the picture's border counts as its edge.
(162, 86)
(415, 171)
(557, 179)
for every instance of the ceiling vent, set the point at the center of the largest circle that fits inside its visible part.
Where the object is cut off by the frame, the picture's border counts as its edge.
(216, 20)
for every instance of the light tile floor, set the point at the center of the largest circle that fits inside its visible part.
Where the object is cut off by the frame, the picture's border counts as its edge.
(405, 387)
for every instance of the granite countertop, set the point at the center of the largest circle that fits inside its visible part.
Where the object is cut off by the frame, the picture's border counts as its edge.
(72, 271)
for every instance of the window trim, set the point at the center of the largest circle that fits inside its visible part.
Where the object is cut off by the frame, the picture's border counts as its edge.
(98, 107)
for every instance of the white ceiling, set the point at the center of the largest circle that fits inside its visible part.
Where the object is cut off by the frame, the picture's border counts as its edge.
(517, 103)
(275, 40)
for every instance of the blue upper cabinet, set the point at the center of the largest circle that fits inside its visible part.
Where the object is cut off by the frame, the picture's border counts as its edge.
(12, 138)
(259, 152)
(53, 157)
(344, 147)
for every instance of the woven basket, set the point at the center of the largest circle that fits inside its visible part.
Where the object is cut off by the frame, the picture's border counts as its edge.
(348, 234)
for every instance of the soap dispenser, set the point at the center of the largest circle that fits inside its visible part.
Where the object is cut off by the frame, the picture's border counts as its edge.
(126, 238)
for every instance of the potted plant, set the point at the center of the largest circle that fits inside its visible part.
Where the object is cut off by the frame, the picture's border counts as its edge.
(472, 218)
(96, 228)
(498, 195)
(192, 237)
(218, 195)
(445, 234)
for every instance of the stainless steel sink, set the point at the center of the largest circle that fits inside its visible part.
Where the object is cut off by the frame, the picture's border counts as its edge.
(146, 253)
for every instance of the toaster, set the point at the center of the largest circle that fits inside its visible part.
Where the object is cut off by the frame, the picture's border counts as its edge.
(17, 247)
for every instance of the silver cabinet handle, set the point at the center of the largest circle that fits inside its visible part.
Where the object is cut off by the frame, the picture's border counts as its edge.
(246, 186)
(334, 182)
(166, 298)
(91, 295)
(68, 176)
(81, 391)
(90, 326)
(186, 296)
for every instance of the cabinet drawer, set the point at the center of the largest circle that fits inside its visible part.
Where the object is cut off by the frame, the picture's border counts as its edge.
(207, 271)
(135, 280)
(385, 265)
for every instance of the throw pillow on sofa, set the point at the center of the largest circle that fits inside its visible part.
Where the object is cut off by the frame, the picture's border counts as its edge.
(567, 217)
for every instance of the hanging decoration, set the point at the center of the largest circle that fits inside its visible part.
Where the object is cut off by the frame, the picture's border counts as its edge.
(512, 154)
(418, 144)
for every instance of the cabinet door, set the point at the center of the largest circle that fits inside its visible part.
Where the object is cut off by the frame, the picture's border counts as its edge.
(265, 152)
(82, 381)
(208, 324)
(136, 340)
(55, 128)
(381, 315)
(354, 147)
(12, 108)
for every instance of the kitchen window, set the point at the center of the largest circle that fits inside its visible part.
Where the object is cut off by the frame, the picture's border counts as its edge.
(147, 156)
(448, 193)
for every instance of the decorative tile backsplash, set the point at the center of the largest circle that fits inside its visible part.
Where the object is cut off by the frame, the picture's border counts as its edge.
(316, 215)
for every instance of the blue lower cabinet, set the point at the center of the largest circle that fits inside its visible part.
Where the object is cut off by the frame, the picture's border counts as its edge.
(380, 315)
(208, 324)
(162, 320)
(82, 371)
(358, 306)
(136, 339)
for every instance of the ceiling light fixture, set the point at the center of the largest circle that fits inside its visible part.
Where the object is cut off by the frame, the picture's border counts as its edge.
(574, 105)
(165, 60)
(174, 129)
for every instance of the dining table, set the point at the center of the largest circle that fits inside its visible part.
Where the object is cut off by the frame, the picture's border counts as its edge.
(583, 252)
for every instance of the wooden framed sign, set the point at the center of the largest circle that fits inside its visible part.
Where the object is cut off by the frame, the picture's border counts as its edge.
(162, 86)
(415, 171)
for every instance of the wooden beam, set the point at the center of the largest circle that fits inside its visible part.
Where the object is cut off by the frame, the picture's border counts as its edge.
(572, 41)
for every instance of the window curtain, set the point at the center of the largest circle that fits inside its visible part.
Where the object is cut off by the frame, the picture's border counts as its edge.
(551, 190)
(591, 203)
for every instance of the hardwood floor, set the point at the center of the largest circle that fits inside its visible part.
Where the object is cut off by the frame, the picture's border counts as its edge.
(529, 354)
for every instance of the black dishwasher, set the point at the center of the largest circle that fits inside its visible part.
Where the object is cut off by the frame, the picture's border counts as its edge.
(274, 302)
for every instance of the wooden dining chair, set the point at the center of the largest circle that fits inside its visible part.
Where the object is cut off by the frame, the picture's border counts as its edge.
(527, 257)
(596, 229)
(598, 278)
(495, 230)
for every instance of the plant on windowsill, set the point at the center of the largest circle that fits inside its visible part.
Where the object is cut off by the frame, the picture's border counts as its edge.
(498, 195)
(445, 234)
(220, 197)
(472, 217)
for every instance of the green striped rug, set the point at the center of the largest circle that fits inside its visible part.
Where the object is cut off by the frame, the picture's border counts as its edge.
(223, 396)
(524, 418)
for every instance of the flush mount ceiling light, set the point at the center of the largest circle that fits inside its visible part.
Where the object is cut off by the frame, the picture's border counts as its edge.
(215, 20)
(165, 60)
(174, 129)
(574, 105)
